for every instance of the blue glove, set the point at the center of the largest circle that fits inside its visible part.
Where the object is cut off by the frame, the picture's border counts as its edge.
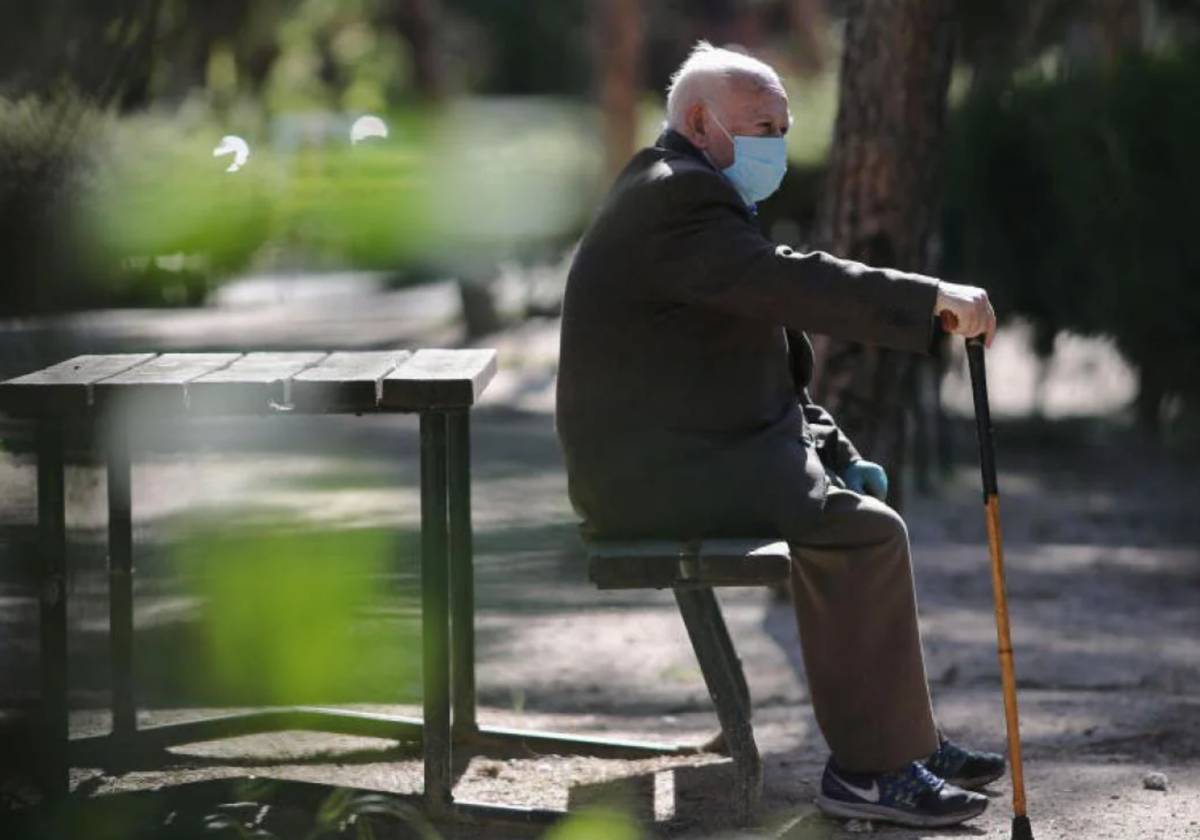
(867, 479)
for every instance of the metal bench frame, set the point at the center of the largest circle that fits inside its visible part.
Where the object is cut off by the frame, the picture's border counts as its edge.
(691, 570)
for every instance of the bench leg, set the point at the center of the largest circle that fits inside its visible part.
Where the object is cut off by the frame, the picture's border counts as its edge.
(719, 743)
(727, 650)
(713, 647)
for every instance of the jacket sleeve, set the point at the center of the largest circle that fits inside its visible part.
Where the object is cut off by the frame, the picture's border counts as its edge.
(712, 254)
(833, 446)
(831, 443)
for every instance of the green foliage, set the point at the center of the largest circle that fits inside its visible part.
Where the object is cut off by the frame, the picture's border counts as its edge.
(598, 824)
(160, 192)
(813, 103)
(280, 610)
(1077, 201)
(45, 160)
(330, 54)
(532, 46)
(153, 218)
(510, 175)
(90, 206)
(100, 49)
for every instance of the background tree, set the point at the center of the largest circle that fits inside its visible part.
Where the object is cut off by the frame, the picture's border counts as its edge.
(880, 198)
(617, 41)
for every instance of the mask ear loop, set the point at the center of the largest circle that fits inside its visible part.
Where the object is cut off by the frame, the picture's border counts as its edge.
(712, 112)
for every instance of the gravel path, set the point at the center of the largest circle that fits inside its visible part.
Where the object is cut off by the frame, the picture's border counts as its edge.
(1101, 538)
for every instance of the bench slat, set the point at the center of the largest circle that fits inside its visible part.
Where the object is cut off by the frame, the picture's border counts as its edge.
(159, 383)
(344, 381)
(64, 387)
(249, 385)
(438, 379)
(658, 564)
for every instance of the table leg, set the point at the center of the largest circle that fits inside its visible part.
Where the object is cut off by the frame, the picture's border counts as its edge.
(435, 613)
(120, 590)
(52, 543)
(462, 576)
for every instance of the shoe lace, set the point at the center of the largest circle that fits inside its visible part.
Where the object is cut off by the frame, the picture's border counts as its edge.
(947, 758)
(925, 778)
(909, 783)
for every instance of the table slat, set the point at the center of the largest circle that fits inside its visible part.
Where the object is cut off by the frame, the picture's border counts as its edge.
(250, 385)
(344, 382)
(439, 379)
(64, 387)
(231, 383)
(159, 383)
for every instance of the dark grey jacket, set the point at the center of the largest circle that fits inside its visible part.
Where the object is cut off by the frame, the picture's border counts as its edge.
(677, 412)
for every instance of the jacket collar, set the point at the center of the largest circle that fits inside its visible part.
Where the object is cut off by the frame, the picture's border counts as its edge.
(673, 141)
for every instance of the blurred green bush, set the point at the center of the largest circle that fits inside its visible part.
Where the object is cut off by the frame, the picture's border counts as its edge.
(1077, 201)
(97, 211)
(45, 162)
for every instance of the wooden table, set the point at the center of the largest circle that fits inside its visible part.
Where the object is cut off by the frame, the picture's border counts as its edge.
(441, 386)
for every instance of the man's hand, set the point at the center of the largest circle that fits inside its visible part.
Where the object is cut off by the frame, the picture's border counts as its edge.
(970, 311)
(867, 479)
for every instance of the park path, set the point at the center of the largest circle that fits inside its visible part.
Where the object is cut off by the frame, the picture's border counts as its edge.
(1104, 583)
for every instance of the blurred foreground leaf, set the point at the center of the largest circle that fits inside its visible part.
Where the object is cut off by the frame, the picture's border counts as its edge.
(600, 824)
(291, 616)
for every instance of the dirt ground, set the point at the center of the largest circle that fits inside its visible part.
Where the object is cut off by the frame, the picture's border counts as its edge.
(1103, 552)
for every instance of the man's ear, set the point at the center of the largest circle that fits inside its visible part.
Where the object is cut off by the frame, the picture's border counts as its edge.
(693, 118)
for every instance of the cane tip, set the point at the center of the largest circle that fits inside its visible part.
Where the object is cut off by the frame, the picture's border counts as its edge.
(1022, 830)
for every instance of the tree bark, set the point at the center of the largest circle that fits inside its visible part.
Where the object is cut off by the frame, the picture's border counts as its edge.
(880, 200)
(1119, 27)
(618, 46)
(419, 23)
(809, 23)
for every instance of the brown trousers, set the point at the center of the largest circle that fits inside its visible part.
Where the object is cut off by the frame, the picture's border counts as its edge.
(856, 608)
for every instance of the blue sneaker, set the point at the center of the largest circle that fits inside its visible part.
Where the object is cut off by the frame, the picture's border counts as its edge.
(911, 796)
(965, 768)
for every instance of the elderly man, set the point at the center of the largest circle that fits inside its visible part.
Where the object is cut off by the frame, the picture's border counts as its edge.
(679, 418)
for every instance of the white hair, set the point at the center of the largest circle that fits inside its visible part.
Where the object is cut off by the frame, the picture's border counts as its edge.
(705, 71)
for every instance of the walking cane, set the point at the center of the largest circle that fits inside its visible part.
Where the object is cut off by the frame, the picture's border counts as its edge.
(1021, 829)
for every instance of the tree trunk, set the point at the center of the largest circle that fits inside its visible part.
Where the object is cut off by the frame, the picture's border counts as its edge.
(880, 200)
(809, 25)
(1118, 27)
(618, 47)
(419, 24)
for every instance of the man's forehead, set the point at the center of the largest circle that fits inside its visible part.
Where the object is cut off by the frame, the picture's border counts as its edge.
(757, 100)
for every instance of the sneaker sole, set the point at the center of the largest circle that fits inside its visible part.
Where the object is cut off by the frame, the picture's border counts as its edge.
(867, 811)
(977, 782)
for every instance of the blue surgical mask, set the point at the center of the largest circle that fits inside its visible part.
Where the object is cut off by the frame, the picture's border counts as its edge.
(759, 164)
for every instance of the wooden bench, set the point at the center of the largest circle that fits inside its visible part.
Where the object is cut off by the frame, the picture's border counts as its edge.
(692, 569)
